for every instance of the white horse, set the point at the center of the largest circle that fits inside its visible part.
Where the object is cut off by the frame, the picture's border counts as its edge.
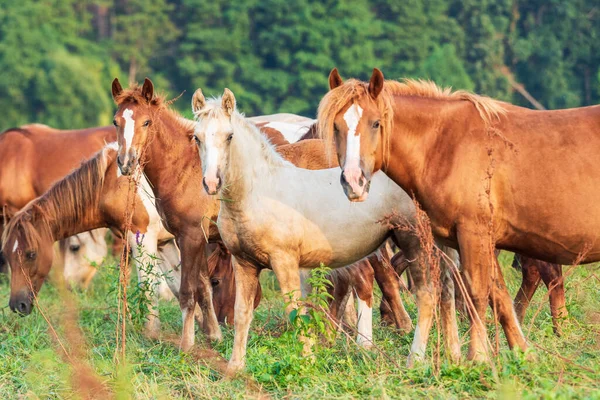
(285, 218)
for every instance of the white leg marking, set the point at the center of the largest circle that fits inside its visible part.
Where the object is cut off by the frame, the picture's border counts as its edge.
(365, 324)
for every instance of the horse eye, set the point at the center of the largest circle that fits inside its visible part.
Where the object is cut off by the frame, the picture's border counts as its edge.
(115, 123)
(215, 281)
(230, 137)
(74, 248)
(376, 125)
(31, 255)
(147, 123)
(197, 140)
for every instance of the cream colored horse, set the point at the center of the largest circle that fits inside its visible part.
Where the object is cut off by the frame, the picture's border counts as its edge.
(285, 218)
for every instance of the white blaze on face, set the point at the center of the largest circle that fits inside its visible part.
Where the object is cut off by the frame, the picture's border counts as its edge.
(352, 170)
(128, 131)
(212, 155)
(15, 246)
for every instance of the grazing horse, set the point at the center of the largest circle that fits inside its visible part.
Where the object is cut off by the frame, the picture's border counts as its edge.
(488, 174)
(285, 218)
(33, 157)
(91, 197)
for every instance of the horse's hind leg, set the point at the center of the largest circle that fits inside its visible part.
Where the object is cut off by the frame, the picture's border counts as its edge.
(246, 283)
(529, 284)
(392, 308)
(553, 279)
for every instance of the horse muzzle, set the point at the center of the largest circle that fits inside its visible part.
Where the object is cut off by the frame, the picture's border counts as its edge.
(127, 163)
(212, 185)
(22, 302)
(356, 185)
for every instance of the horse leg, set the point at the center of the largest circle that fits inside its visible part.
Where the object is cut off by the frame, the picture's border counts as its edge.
(501, 301)
(476, 268)
(447, 305)
(392, 309)
(529, 284)
(339, 306)
(423, 286)
(204, 294)
(364, 293)
(553, 279)
(147, 275)
(246, 283)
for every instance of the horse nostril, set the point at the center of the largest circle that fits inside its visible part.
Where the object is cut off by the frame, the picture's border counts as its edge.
(23, 307)
(361, 181)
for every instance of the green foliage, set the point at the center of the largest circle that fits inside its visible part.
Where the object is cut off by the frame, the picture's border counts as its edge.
(58, 57)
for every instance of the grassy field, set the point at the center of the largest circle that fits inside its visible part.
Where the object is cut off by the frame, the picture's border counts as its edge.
(32, 364)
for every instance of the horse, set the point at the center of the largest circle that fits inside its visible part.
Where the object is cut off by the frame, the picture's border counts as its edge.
(36, 151)
(285, 218)
(146, 127)
(95, 196)
(474, 165)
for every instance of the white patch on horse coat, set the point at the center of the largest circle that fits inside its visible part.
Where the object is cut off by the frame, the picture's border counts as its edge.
(15, 246)
(128, 131)
(365, 324)
(291, 132)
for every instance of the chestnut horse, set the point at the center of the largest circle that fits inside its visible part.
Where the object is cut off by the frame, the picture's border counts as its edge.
(280, 217)
(488, 174)
(95, 196)
(33, 157)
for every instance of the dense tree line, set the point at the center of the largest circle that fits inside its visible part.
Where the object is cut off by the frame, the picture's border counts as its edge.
(58, 57)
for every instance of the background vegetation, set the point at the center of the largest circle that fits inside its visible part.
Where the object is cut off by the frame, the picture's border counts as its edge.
(58, 57)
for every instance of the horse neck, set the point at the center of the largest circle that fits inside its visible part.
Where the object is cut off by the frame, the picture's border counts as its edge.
(169, 149)
(420, 131)
(250, 165)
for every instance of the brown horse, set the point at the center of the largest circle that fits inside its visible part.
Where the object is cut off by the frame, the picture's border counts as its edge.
(93, 196)
(33, 157)
(488, 174)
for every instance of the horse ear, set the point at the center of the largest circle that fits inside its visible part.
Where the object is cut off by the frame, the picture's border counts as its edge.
(148, 90)
(376, 83)
(228, 102)
(117, 89)
(198, 101)
(335, 79)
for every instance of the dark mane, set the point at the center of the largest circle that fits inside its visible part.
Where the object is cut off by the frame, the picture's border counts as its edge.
(311, 133)
(25, 132)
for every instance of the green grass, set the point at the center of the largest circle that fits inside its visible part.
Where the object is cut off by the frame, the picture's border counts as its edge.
(31, 365)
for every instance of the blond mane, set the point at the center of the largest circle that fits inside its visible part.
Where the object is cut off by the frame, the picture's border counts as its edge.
(352, 89)
(70, 199)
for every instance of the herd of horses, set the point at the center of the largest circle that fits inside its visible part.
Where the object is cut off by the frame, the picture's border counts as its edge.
(217, 199)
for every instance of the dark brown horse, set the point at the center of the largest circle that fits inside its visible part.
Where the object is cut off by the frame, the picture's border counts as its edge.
(35, 156)
(488, 174)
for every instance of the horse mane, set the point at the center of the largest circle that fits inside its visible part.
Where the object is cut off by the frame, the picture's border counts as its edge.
(70, 197)
(213, 109)
(311, 133)
(352, 89)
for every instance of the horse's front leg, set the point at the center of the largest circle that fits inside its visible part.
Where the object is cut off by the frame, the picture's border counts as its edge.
(554, 281)
(447, 304)
(364, 293)
(246, 283)
(193, 263)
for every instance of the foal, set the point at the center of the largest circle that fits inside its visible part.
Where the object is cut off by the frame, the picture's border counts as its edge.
(285, 218)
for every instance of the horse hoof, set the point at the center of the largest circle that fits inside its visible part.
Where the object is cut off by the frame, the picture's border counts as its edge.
(233, 368)
(186, 345)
